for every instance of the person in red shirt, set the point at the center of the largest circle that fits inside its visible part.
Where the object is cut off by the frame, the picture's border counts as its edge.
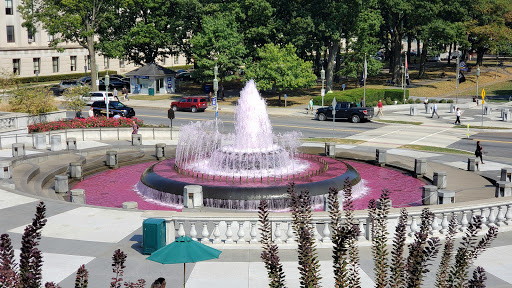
(380, 109)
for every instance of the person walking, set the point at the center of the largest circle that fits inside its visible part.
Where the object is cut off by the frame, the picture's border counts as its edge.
(425, 102)
(379, 105)
(458, 113)
(135, 127)
(125, 93)
(91, 113)
(310, 106)
(479, 151)
(434, 111)
(115, 94)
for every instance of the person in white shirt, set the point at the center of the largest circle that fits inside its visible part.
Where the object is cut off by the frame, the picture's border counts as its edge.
(458, 113)
(434, 111)
(91, 113)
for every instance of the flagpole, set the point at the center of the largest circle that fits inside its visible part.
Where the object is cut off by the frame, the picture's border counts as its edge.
(364, 80)
(406, 74)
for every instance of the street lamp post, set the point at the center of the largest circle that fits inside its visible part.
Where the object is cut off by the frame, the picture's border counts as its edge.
(215, 89)
(107, 82)
(478, 76)
(403, 80)
(322, 92)
(457, 80)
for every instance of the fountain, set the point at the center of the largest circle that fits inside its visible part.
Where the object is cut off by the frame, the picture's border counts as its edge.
(238, 170)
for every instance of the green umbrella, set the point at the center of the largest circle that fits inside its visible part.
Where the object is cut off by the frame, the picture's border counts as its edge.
(184, 250)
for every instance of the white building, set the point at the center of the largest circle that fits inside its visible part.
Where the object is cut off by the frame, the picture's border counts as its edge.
(27, 55)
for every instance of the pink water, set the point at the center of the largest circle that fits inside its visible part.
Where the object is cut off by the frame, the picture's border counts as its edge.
(113, 187)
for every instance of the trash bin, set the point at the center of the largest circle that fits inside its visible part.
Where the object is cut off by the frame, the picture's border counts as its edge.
(153, 235)
(151, 91)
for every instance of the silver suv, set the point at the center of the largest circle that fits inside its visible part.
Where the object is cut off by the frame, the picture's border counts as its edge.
(98, 96)
(66, 84)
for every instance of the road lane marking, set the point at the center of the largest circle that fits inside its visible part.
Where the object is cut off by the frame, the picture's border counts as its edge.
(384, 135)
(494, 141)
(429, 135)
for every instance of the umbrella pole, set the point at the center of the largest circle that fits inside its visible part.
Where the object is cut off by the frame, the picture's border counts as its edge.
(183, 275)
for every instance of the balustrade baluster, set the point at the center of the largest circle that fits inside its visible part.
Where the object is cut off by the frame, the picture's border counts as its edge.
(464, 221)
(435, 226)
(216, 234)
(492, 217)
(193, 232)
(241, 233)
(254, 233)
(508, 216)
(278, 234)
(326, 233)
(414, 226)
(501, 216)
(290, 234)
(456, 219)
(474, 212)
(484, 218)
(181, 229)
(362, 231)
(205, 234)
(444, 224)
(229, 232)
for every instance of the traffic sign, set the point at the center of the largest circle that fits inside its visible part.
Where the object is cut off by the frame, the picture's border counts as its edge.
(483, 96)
(334, 105)
(214, 101)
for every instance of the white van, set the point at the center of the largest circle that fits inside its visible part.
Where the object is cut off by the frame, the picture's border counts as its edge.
(98, 96)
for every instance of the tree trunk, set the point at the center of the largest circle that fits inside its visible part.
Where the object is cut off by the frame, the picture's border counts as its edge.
(423, 59)
(318, 62)
(418, 50)
(397, 49)
(480, 56)
(450, 54)
(338, 66)
(92, 55)
(329, 73)
(409, 46)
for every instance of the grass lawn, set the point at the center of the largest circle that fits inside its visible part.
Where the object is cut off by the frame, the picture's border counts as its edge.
(435, 149)
(334, 140)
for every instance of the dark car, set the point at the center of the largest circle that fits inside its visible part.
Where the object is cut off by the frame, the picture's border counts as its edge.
(113, 83)
(115, 108)
(185, 76)
(345, 110)
(85, 80)
(66, 84)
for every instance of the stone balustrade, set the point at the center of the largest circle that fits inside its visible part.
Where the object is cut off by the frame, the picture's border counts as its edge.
(242, 228)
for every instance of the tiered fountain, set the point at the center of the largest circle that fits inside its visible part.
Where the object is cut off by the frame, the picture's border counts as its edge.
(238, 170)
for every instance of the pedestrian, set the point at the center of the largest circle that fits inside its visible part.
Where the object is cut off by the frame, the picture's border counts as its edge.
(162, 282)
(135, 127)
(362, 102)
(210, 96)
(479, 151)
(425, 102)
(310, 106)
(156, 284)
(115, 94)
(379, 105)
(125, 94)
(91, 113)
(458, 113)
(434, 111)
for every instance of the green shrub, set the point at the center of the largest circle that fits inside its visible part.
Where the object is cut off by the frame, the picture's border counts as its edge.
(449, 101)
(417, 101)
(442, 101)
(410, 101)
(433, 101)
(355, 95)
(388, 101)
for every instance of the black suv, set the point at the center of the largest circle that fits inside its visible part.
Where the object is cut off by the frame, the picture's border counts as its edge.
(114, 107)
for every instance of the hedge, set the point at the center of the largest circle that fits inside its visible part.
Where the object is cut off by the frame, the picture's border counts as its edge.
(388, 96)
(48, 78)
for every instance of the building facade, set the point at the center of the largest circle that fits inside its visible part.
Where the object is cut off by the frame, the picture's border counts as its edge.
(28, 54)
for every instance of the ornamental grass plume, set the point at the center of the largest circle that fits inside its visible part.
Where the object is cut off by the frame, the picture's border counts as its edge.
(379, 219)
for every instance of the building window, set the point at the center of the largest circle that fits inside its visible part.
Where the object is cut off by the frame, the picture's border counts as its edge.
(16, 66)
(10, 34)
(55, 64)
(37, 65)
(121, 63)
(8, 7)
(73, 63)
(176, 59)
(50, 37)
(31, 35)
(106, 62)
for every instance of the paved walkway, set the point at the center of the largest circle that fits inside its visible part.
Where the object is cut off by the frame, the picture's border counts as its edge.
(76, 234)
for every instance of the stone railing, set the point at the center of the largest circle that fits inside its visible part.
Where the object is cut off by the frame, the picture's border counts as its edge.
(22, 120)
(243, 228)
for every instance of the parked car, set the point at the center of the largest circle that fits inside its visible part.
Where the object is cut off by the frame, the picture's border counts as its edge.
(113, 83)
(193, 104)
(98, 96)
(66, 84)
(114, 108)
(345, 110)
(181, 71)
(185, 76)
(435, 58)
(85, 80)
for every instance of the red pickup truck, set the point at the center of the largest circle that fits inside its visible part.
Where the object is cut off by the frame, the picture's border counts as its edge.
(193, 104)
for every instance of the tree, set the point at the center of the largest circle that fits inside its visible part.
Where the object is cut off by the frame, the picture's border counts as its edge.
(74, 98)
(33, 101)
(218, 43)
(76, 21)
(280, 69)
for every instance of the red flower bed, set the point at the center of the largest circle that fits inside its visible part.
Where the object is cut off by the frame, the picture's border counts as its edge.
(83, 123)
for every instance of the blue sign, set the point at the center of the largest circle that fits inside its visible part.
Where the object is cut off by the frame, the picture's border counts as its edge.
(285, 96)
(216, 114)
(343, 86)
(141, 77)
(214, 101)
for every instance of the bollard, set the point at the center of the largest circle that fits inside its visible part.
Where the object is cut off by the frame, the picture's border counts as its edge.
(40, 141)
(18, 149)
(413, 110)
(471, 164)
(453, 108)
(440, 179)
(71, 143)
(380, 157)
(75, 170)
(136, 139)
(487, 110)
(420, 167)
(330, 149)
(503, 189)
(193, 196)
(160, 151)
(446, 196)
(112, 159)
(77, 196)
(506, 115)
(506, 174)
(56, 143)
(5, 170)
(429, 195)
(61, 184)
(131, 205)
